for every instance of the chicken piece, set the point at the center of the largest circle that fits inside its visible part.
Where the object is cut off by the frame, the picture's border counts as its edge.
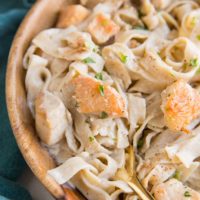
(180, 105)
(50, 118)
(102, 28)
(72, 15)
(95, 97)
(174, 190)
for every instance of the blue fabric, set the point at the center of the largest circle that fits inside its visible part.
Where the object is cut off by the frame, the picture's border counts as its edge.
(11, 161)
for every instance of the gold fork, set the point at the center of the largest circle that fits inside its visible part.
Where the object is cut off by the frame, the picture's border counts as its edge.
(139, 189)
(134, 182)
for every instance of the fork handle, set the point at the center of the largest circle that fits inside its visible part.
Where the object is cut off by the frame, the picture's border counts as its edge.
(140, 191)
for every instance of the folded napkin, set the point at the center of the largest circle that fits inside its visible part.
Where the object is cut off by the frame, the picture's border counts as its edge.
(11, 161)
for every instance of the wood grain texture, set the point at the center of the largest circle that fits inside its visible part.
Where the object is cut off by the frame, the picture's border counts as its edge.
(41, 16)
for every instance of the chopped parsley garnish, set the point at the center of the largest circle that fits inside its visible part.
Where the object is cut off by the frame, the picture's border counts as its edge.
(177, 175)
(187, 194)
(104, 115)
(140, 143)
(101, 90)
(198, 37)
(95, 49)
(91, 138)
(198, 71)
(193, 21)
(88, 60)
(99, 76)
(123, 57)
(194, 62)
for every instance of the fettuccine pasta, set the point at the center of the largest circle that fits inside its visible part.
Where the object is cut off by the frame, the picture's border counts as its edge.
(114, 91)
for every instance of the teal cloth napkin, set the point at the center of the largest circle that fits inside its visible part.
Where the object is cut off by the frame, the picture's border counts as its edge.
(11, 161)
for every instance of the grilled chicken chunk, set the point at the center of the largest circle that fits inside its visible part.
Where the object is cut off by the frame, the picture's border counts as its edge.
(102, 28)
(50, 118)
(72, 15)
(180, 105)
(95, 97)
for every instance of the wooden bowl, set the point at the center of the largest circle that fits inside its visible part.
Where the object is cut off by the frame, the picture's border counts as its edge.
(41, 16)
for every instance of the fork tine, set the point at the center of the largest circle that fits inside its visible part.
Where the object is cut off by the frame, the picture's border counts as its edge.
(140, 193)
(135, 183)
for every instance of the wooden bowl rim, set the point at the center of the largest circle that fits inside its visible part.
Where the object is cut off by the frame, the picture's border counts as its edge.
(11, 98)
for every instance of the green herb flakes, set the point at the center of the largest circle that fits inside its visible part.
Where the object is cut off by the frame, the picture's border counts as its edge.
(198, 37)
(177, 175)
(193, 62)
(104, 115)
(99, 76)
(198, 71)
(187, 194)
(88, 60)
(123, 57)
(95, 49)
(194, 21)
(101, 90)
(91, 138)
